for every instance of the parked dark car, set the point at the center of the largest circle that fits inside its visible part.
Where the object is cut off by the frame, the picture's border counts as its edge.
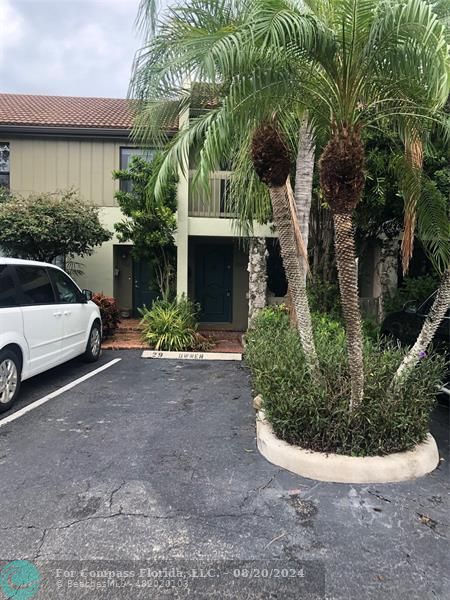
(405, 326)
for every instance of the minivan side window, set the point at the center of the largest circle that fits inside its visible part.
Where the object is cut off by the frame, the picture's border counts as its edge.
(36, 285)
(8, 296)
(66, 290)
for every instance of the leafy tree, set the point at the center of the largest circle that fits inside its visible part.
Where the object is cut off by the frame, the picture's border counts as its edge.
(45, 226)
(5, 194)
(149, 222)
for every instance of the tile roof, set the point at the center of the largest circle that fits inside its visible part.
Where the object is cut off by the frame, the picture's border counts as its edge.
(65, 111)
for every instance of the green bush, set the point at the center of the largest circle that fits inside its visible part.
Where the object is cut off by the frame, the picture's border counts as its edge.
(324, 297)
(315, 414)
(45, 226)
(371, 329)
(109, 312)
(170, 325)
(413, 289)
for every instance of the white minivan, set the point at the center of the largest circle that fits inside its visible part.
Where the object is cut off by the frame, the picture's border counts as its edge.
(45, 320)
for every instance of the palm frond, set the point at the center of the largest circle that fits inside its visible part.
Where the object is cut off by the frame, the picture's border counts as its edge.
(382, 63)
(433, 225)
(411, 188)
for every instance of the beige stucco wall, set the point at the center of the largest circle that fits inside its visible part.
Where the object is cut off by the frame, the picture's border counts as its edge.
(47, 165)
(99, 268)
(215, 227)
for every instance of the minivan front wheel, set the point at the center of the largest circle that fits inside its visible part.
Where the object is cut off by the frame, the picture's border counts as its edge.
(9, 379)
(94, 344)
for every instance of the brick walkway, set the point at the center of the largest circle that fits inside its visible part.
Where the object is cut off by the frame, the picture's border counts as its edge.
(128, 337)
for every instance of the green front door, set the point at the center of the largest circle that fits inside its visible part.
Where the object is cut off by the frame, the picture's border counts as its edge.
(214, 281)
(145, 290)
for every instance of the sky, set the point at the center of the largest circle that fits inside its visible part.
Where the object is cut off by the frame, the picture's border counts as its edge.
(67, 47)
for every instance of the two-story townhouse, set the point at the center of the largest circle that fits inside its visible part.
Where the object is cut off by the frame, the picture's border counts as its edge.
(51, 143)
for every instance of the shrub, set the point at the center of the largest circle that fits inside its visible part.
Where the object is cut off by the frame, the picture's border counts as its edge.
(315, 414)
(109, 312)
(324, 297)
(413, 289)
(371, 329)
(45, 226)
(170, 325)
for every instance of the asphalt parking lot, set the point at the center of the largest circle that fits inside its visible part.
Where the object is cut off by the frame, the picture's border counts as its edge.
(153, 464)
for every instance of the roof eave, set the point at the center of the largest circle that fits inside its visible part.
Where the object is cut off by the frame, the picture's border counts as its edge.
(115, 133)
(65, 132)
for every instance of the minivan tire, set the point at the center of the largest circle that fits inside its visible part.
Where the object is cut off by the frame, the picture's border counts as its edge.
(94, 344)
(9, 363)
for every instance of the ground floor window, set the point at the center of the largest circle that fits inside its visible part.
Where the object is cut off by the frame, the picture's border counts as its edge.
(4, 165)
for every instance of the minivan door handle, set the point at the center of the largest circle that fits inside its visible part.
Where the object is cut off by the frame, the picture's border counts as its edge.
(67, 312)
(57, 314)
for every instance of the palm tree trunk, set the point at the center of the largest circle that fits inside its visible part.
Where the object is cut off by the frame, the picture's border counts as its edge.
(304, 171)
(348, 285)
(434, 319)
(257, 277)
(295, 272)
(387, 269)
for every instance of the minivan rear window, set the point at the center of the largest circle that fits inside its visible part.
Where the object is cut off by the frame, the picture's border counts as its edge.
(36, 285)
(7, 290)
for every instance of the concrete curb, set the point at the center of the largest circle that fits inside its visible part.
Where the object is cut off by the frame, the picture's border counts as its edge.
(191, 355)
(401, 466)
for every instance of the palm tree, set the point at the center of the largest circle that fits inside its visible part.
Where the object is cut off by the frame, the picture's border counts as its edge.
(434, 232)
(272, 163)
(244, 85)
(369, 62)
(304, 171)
(350, 64)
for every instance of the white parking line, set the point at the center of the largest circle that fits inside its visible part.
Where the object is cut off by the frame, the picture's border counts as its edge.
(56, 393)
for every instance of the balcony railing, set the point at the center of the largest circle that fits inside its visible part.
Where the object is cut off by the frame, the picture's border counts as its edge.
(212, 203)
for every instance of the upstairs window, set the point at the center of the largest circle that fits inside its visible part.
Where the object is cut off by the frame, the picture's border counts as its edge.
(4, 165)
(126, 154)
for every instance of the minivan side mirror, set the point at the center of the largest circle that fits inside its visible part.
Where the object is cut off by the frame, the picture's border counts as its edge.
(87, 294)
(410, 307)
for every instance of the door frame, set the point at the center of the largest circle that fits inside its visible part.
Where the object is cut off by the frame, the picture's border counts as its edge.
(134, 293)
(201, 247)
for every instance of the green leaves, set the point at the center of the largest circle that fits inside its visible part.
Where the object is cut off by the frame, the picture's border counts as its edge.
(314, 414)
(369, 63)
(170, 325)
(42, 227)
(149, 221)
(433, 225)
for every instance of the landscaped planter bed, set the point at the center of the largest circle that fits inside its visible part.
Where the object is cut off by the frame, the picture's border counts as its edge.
(338, 468)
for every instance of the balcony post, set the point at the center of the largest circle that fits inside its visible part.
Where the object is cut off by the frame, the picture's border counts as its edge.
(182, 236)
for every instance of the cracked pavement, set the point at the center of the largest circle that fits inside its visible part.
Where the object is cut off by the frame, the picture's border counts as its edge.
(156, 460)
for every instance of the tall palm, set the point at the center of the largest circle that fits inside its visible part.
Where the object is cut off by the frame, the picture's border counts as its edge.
(382, 62)
(434, 232)
(349, 63)
(244, 86)
(304, 171)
